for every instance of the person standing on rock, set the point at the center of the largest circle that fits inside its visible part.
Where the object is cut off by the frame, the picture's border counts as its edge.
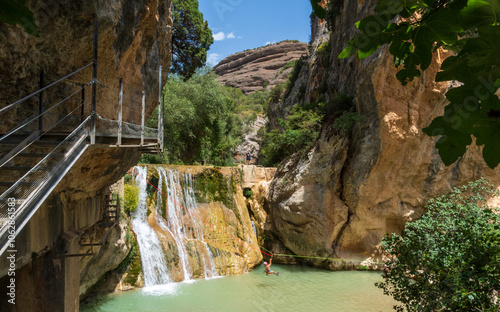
(249, 157)
(267, 267)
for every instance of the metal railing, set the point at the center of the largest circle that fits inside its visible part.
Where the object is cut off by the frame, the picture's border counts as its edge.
(20, 202)
(65, 118)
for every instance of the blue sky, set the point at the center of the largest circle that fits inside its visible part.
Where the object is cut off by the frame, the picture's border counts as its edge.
(238, 25)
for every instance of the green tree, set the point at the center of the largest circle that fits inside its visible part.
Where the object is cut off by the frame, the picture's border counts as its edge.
(199, 120)
(191, 38)
(449, 259)
(471, 29)
(131, 199)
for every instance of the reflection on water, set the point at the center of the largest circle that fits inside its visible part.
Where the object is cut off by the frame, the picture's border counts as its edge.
(296, 289)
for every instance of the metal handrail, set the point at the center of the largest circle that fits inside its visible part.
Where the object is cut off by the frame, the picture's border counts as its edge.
(8, 107)
(37, 166)
(30, 204)
(22, 125)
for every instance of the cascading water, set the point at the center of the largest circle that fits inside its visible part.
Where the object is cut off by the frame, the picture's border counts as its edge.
(182, 223)
(154, 266)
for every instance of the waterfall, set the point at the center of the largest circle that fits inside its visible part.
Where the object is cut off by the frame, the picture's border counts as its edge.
(154, 266)
(182, 220)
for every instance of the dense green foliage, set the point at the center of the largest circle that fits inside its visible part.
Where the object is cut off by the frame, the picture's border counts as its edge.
(15, 12)
(282, 90)
(469, 28)
(131, 198)
(295, 133)
(298, 131)
(191, 38)
(201, 121)
(449, 259)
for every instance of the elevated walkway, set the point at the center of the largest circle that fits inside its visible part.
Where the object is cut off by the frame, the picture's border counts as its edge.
(45, 143)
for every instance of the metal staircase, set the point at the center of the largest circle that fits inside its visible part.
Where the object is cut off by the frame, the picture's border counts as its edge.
(39, 151)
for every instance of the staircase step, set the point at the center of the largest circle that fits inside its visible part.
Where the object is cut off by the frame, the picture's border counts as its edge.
(46, 143)
(23, 168)
(40, 154)
(10, 183)
(17, 201)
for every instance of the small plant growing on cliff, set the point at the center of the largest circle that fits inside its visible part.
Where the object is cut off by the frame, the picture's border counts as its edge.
(324, 48)
(346, 121)
(131, 199)
(127, 178)
(295, 133)
(247, 193)
(449, 259)
(294, 75)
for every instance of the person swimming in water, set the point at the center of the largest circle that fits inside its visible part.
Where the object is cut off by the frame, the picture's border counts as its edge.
(267, 266)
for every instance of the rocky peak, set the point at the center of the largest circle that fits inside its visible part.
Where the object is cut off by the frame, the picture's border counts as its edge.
(260, 68)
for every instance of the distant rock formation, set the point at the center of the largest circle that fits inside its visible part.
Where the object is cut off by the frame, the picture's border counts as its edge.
(260, 68)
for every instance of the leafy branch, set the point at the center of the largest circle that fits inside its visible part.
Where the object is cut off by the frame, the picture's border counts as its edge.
(468, 28)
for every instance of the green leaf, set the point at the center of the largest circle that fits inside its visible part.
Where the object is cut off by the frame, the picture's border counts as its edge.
(479, 13)
(444, 26)
(391, 7)
(491, 150)
(352, 46)
(453, 143)
(423, 41)
(14, 12)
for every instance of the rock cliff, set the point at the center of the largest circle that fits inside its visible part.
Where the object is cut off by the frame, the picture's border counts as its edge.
(134, 39)
(259, 69)
(351, 188)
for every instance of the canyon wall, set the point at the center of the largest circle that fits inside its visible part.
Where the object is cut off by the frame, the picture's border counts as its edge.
(354, 186)
(134, 40)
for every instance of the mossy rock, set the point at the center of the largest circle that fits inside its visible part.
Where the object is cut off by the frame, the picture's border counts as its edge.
(213, 186)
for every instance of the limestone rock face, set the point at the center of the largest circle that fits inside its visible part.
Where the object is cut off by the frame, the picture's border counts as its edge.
(260, 68)
(134, 40)
(351, 188)
(250, 143)
(108, 256)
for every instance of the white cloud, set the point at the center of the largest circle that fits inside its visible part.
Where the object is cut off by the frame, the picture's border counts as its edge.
(213, 58)
(219, 36)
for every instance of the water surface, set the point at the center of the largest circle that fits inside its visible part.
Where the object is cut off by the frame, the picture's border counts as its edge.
(295, 289)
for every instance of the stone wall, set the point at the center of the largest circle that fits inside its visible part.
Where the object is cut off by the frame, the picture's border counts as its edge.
(352, 188)
(134, 40)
